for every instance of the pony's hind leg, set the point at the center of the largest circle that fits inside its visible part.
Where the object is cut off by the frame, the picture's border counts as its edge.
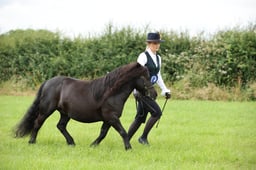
(37, 125)
(103, 132)
(62, 124)
(46, 108)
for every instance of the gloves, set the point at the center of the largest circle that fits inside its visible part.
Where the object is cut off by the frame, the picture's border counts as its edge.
(167, 95)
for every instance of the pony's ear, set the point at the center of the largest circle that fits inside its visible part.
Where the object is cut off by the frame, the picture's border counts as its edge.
(138, 65)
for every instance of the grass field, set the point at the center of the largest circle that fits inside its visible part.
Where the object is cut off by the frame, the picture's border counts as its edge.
(191, 135)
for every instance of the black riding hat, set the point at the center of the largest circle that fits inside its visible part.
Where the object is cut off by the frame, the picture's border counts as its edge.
(154, 37)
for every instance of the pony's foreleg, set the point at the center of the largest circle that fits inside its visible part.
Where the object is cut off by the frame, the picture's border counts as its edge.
(103, 132)
(120, 129)
(62, 124)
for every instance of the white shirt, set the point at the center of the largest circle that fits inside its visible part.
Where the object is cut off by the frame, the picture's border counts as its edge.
(142, 59)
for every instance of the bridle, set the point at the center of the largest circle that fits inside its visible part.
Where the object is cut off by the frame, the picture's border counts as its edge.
(147, 86)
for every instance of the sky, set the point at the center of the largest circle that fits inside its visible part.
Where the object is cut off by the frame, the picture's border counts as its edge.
(86, 17)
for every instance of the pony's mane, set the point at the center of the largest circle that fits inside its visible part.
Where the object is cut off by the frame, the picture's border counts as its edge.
(115, 79)
(124, 74)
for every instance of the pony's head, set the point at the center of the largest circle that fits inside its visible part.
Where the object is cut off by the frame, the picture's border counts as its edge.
(144, 85)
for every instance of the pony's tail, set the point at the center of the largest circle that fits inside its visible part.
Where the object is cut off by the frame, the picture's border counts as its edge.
(26, 125)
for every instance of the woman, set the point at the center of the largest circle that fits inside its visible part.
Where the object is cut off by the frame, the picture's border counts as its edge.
(152, 61)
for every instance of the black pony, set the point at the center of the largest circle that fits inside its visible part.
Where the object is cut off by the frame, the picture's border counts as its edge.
(101, 99)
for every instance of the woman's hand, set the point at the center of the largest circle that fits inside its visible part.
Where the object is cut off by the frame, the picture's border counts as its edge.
(167, 95)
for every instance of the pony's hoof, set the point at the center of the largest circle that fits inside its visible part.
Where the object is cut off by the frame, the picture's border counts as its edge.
(72, 144)
(93, 145)
(128, 148)
(143, 141)
(31, 142)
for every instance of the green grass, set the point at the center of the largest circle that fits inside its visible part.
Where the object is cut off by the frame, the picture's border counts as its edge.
(191, 135)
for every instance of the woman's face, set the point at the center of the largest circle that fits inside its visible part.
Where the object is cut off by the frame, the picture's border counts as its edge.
(154, 46)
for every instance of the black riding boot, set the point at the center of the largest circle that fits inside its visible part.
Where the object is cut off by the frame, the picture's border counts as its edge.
(133, 128)
(150, 123)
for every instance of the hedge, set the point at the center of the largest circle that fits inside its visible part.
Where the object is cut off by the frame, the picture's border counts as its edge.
(227, 58)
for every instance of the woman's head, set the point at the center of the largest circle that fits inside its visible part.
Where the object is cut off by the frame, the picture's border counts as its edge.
(153, 41)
